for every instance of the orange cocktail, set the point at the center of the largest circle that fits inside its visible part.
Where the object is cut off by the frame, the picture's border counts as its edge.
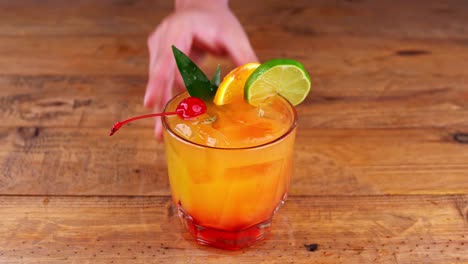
(229, 169)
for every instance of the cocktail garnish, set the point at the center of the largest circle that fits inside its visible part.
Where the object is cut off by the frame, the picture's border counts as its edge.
(285, 77)
(191, 107)
(196, 82)
(231, 89)
(188, 108)
(216, 80)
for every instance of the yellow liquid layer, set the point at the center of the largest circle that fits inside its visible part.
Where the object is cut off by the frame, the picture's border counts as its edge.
(233, 185)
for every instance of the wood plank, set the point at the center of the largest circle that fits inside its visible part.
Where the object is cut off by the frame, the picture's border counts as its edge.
(81, 18)
(129, 17)
(329, 55)
(73, 55)
(380, 100)
(81, 162)
(385, 19)
(71, 101)
(327, 162)
(359, 229)
(395, 161)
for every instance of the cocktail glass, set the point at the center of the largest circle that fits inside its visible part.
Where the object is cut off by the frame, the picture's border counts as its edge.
(226, 197)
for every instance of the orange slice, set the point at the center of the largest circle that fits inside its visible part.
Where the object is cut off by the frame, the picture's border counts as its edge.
(232, 87)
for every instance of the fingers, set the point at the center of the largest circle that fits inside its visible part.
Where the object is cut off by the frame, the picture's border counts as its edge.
(225, 35)
(162, 66)
(196, 54)
(179, 85)
(237, 44)
(158, 127)
(153, 90)
(154, 82)
(159, 85)
(165, 94)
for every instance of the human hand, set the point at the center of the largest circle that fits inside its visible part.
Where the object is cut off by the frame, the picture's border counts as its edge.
(196, 27)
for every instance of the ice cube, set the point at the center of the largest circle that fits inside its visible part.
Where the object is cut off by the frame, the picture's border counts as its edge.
(209, 120)
(211, 141)
(184, 130)
(260, 112)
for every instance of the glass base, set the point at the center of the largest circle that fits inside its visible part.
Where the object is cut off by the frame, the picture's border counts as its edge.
(224, 239)
(231, 240)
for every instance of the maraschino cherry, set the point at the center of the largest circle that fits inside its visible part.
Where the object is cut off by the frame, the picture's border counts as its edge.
(188, 108)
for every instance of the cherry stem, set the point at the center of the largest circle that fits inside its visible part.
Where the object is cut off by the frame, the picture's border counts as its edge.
(188, 108)
(119, 124)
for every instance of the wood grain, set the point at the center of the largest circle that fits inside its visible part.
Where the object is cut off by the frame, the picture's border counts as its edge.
(327, 162)
(388, 19)
(82, 18)
(379, 100)
(365, 229)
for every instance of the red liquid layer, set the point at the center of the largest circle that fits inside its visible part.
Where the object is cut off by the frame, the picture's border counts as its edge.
(227, 239)
(230, 240)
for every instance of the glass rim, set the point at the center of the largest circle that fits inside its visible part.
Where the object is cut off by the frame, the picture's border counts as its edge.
(273, 141)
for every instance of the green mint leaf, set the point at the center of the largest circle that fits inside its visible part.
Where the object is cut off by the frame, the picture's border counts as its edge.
(196, 82)
(216, 77)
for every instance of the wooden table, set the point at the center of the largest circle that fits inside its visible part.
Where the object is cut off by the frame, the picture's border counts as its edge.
(381, 160)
